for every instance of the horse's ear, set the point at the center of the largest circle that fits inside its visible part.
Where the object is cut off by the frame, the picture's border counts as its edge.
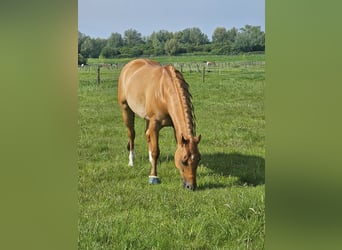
(184, 140)
(198, 139)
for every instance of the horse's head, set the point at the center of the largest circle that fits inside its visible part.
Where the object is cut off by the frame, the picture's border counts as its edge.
(187, 157)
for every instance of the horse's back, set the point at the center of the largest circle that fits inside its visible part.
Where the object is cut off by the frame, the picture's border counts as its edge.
(138, 82)
(135, 65)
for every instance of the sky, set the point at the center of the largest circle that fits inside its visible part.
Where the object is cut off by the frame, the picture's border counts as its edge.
(101, 18)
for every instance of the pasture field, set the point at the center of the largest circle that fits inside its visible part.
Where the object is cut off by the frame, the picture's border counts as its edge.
(118, 209)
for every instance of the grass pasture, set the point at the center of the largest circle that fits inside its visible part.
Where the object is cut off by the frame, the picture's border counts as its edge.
(118, 209)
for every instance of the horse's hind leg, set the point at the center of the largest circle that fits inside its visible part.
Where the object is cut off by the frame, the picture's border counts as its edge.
(128, 118)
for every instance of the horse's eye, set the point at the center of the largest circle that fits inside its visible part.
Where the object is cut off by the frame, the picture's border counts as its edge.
(184, 163)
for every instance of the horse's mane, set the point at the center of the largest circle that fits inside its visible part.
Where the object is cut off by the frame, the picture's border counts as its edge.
(182, 88)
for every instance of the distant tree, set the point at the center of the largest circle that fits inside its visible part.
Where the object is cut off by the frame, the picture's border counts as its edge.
(147, 47)
(81, 38)
(131, 51)
(250, 38)
(231, 34)
(220, 35)
(198, 37)
(190, 40)
(132, 38)
(109, 52)
(158, 47)
(193, 36)
(87, 47)
(99, 44)
(162, 35)
(179, 36)
(115, 41)
(157, 44)
(171, 46)
(158, 40)
(91, 48)
(222, 40)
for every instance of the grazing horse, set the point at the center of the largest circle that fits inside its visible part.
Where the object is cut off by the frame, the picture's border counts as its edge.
(210, 63)
(160, 95)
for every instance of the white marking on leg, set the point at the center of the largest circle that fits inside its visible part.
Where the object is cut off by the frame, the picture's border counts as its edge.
(150, 156)
(130, 158)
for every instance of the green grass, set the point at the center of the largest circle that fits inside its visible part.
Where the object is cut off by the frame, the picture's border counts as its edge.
(120, 210)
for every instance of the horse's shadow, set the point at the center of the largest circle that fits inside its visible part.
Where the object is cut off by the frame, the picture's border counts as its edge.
(248, 169)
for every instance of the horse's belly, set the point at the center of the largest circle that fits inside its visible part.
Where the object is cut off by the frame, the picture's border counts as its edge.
(138, 107)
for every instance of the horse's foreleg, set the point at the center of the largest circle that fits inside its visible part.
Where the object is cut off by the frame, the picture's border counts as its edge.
(148, 139)
(152, 136)
(128, 118)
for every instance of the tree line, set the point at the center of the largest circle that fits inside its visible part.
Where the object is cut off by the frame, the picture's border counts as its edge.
(190, 40)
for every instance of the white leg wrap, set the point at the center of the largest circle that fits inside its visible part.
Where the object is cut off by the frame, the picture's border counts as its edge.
(130, 158)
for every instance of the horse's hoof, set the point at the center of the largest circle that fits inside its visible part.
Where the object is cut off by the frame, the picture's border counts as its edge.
(153, 180)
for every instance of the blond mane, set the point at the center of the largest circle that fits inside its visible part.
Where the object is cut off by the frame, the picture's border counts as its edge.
(185, 97)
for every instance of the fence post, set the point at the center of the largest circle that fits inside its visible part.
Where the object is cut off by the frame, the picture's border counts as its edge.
(98, 74)
(203, 74)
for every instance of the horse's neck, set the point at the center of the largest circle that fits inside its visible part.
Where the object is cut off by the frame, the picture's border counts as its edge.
(181, 115)
(181, 127)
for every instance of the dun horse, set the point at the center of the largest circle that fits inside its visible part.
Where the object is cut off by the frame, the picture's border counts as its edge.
(160, 95)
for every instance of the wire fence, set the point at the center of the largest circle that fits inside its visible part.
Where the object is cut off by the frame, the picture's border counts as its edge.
(104, 72)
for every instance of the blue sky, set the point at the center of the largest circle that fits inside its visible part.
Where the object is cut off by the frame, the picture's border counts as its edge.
(100, 18)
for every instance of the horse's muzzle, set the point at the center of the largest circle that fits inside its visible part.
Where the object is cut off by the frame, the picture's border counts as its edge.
(188, 186)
